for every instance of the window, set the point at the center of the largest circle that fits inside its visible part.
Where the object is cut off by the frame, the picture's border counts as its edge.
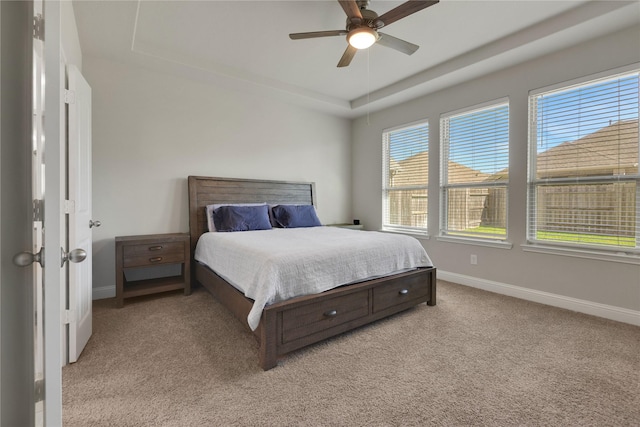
(475, 171)
(583, 164)
(405, 175)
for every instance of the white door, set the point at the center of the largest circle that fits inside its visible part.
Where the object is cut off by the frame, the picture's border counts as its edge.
(32, 236)
(20, 230)
(55, 233)
(80, 220)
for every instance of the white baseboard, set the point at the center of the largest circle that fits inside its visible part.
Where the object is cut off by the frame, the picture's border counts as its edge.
(104, 292)
(582, 306)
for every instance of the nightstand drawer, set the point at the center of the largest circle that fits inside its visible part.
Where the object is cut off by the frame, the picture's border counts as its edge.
(153, 253)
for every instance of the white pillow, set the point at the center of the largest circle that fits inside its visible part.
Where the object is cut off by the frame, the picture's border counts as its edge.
(210, 208)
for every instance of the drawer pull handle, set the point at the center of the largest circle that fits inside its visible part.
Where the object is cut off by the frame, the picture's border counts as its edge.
(155, 259)
(331, 313)
(403, 292)
(155, 248)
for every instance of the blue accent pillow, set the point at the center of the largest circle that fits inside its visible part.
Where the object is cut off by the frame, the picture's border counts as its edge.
(293, 216)
(241, 218)
(210, 208)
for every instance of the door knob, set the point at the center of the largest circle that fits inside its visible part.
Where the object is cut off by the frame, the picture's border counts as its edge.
(25, 259)
(76, 255)
(93, 223)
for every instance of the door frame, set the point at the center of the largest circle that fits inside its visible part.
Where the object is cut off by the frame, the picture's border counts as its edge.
(54, 218)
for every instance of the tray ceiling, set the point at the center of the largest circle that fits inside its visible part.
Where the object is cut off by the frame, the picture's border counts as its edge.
(245, 43)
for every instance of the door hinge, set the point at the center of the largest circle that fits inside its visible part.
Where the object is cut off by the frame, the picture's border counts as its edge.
(69, 317)
(39, 390)
(69, 206)
(38, 210)
(38, 27)
(69, 96)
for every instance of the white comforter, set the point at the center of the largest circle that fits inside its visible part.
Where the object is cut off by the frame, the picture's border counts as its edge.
(269, 266)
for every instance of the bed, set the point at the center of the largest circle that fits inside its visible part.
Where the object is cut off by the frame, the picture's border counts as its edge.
(294, 323)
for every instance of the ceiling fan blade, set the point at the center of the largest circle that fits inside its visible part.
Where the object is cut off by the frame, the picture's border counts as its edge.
(352, 10)
(315, 34)
(404, 10)
(397, 44)
(347, 56)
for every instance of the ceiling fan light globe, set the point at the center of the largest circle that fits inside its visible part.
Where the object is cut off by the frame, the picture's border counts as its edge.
(362, 38)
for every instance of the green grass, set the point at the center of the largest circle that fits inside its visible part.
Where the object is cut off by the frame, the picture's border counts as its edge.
(495, 232)
(558, 236)
(587, 238)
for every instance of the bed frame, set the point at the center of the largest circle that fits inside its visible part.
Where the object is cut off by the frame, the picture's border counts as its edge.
(301, 321)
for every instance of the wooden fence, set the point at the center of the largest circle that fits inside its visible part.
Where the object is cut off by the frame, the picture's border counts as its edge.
(408, 208)
(605, 209)
(469, 208)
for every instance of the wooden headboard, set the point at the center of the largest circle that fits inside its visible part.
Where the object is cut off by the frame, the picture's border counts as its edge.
(205, 191)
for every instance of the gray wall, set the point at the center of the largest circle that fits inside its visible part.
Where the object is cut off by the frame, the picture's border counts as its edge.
(152, 130)
(602, 282)
(69, 35)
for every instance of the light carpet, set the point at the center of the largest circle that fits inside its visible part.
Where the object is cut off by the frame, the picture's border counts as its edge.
(476, 359)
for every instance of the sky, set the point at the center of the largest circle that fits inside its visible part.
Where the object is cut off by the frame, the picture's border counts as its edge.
(574, 113)
(480, 139)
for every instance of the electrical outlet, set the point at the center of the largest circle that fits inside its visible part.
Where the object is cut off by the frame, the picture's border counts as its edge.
(474, 259)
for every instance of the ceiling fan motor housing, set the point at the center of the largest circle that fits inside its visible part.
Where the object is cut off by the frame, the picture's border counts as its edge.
(369, 19)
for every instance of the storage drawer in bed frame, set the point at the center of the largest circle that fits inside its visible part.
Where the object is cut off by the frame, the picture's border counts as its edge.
(310, 318)
(349, 307)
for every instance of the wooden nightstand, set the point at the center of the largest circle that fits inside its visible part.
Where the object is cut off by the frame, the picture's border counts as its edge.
(149, 251)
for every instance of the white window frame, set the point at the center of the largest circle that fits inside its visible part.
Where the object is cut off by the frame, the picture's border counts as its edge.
(575, 249)
(476, 239)
(386, 189)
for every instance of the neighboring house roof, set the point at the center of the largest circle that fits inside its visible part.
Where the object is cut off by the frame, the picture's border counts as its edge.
(460, 173)
(412, 171)
(611, 150)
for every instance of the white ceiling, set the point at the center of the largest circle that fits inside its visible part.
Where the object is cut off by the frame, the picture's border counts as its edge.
(245, 44)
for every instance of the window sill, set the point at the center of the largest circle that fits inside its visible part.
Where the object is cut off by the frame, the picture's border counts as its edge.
(582, 253)
(477, 242)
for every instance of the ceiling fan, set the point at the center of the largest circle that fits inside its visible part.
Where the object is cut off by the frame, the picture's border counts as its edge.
(363, 25)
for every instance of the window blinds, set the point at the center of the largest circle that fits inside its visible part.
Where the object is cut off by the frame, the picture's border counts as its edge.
(475, 171)
(583, 171)
(477, 145)
(406, 177)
